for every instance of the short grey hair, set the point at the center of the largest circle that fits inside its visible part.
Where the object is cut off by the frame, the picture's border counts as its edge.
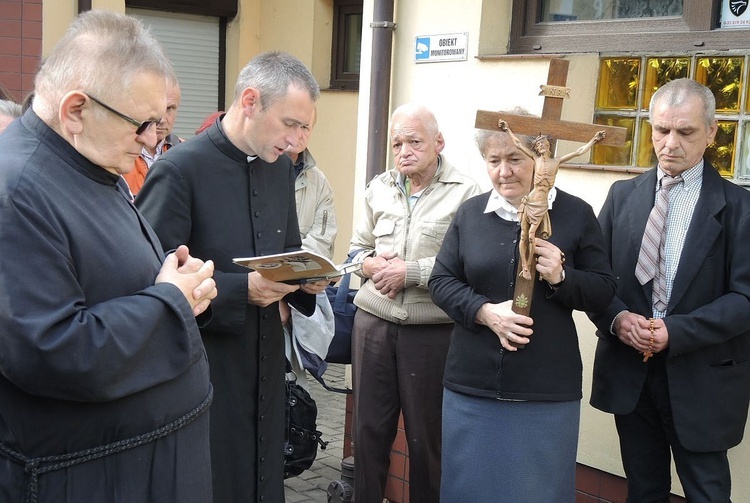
(485, 135)
(271, 73)
(101, 53)
(10, 108)
(675, 92)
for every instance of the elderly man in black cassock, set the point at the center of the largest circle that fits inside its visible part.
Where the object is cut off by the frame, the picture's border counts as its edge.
(104, 385)
(229, 193)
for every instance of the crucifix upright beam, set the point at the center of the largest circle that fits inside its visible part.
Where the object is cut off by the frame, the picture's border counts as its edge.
(557, 79)
(554, 92)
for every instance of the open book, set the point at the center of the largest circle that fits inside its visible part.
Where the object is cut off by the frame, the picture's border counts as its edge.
(296, 267)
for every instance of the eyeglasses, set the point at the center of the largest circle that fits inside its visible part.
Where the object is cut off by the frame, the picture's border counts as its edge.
(141, 126)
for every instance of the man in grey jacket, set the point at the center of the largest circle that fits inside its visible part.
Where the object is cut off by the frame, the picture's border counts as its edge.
(400, 337)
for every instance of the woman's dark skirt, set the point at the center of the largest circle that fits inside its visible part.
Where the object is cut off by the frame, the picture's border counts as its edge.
(497, 451)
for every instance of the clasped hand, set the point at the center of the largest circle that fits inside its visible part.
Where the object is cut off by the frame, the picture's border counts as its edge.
(635, 330)
(192, 276)
(511, 328)
(387, 271)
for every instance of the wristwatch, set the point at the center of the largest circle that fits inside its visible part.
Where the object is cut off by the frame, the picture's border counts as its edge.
(562, 278)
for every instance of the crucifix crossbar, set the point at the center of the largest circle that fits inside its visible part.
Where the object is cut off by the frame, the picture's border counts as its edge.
(559, 129)
(548, 124)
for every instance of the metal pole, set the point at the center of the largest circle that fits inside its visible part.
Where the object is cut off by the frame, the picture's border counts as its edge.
(380, 87)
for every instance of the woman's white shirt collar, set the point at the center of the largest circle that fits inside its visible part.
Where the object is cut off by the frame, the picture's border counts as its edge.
(507, 211)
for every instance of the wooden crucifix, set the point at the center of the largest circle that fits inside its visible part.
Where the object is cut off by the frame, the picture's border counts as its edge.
(549, 124)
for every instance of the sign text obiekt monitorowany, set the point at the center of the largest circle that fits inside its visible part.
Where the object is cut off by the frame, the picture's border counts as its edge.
(445, 47)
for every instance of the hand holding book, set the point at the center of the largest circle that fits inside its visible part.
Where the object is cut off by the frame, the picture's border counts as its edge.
(296, 267)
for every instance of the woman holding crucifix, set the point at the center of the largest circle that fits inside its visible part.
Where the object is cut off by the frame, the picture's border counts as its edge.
(511, 415)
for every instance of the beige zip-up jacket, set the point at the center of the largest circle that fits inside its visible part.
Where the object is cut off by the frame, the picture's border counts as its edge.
(415, 234)
(315, 210)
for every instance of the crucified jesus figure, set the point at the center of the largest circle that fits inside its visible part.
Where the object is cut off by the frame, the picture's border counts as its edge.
(534, 205)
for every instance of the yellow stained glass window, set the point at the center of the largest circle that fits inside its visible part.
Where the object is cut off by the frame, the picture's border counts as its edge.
(614, 156)
(659, 71)
(721, 152)
(618, 83)
(623, 100)
(646, 157)
(724, 77)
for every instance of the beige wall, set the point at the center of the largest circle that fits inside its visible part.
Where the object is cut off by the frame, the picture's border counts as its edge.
(454, 91)
(332, 143)
(243, 42)
(56, 16)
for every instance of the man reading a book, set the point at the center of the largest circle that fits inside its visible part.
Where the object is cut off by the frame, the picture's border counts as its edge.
(228, 193)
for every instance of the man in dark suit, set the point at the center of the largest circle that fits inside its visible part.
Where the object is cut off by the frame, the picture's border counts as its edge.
(676, 375)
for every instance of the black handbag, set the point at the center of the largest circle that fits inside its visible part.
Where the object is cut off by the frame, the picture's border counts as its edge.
(342, 302)
(302, 437)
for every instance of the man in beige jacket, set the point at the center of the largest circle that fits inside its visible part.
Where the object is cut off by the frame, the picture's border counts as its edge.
(400, 337)
(318, 229)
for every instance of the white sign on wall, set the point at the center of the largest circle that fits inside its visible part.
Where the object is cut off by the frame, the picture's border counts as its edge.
(445, 47)
(735, 14)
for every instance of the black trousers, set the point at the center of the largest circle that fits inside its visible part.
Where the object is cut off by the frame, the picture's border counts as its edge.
(647, 436)
(397, 368)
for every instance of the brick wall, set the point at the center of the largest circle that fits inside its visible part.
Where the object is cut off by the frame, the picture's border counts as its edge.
(397, 485)
(20, 44)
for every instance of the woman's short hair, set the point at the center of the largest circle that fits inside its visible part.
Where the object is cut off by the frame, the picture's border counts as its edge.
(484, 135)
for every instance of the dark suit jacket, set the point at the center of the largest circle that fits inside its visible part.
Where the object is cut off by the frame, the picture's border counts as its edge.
(708, 317)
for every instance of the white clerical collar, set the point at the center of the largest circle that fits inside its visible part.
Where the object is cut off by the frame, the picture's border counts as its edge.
(251, 158)
(499, 205)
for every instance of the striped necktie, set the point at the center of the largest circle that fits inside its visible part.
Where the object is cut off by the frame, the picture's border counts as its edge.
(651, 257)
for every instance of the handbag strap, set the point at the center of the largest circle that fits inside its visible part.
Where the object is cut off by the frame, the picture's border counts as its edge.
(343, 289)
(289, 370)
(317, 378)
(323, 383)
(286, 404)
